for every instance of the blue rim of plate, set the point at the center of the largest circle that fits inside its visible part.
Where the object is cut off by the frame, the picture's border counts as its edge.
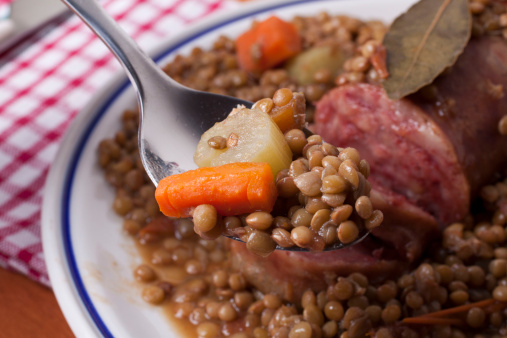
(76, 155)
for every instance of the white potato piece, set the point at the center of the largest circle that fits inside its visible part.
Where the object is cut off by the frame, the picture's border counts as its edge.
(259, 140)
(305, 65)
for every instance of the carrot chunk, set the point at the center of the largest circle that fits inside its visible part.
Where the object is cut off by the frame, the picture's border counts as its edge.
(233, 189)
(267, 44)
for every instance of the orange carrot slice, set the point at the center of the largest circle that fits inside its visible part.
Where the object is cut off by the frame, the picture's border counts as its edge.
(267, 44)
(233, 189)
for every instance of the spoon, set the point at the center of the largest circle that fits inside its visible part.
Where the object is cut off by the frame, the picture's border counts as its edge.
(172, 116)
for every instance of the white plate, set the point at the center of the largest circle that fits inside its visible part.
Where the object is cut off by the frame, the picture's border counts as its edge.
(90, 260)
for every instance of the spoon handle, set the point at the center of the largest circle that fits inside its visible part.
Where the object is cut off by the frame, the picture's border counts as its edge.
(136, 63)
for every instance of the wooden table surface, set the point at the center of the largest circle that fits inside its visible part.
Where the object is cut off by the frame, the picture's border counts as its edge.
(28, 309)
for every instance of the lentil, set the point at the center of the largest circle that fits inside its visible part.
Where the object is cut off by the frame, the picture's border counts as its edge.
(193, 267)
(217, 142)
(348, 171)
(501, 253)
(498, 267)
(496, 319)
(227, 312)
(272, 301)
(231, 223)
(315, 160)
(301, 330)
(282, 97)
(332, 161)
(330, 329)
(259, 220)
(309, 183)
(131, 227)
(298, 167)
(328, 170)
(205, 217)
(243, 299)
(341, 213)
(260, 243)
(208, 330)
(282, 237)
(375, 220)
(386, 292)
(286, 187)
(334, 200)
(319, 218)
(308, 298)
(364, 168)
(315, 204)
(391, 313)
(333, 184)
(414, 300)
(145, 273)
(265, 105)
(237, 281)
(329, 232)
(500, 293)
(161, 257)
(476, 317)
(313, 315)
(334, 310)
(343, 289)
(350, 154)
(459, 297)
(329, 150)
(347, 232)
(219, 278)
(301, 236)
(364, 207)
(122, 205)
(153, 294)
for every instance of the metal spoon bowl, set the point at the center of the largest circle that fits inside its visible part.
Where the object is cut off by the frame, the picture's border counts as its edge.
(164, 104)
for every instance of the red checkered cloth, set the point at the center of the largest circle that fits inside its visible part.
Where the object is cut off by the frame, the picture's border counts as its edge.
(4, 3)
(44, 82)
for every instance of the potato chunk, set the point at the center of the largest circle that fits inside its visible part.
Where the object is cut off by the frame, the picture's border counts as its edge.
(303, 66)
(256, 138)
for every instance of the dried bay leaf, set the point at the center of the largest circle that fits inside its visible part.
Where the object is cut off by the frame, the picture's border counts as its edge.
(423, 42)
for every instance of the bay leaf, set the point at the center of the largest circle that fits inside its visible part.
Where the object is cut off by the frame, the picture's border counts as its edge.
(423, 42)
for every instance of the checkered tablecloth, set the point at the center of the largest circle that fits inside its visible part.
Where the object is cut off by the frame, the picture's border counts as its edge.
(44, 82)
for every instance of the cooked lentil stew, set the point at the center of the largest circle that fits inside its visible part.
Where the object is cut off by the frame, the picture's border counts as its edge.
(458, 289)
(323, 194)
